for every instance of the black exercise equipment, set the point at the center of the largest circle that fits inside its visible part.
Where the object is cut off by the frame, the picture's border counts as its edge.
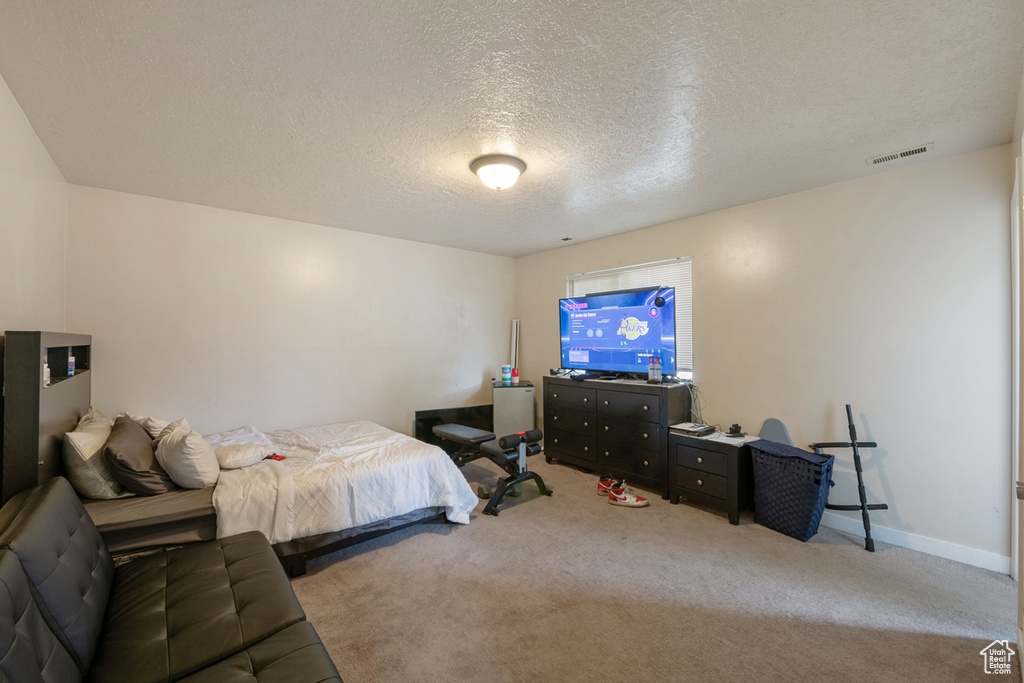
(509, 453)
(869, 543)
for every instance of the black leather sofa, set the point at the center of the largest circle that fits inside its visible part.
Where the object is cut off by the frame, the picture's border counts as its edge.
(218, 610)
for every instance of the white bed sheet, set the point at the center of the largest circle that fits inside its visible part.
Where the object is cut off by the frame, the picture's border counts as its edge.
(339, 476)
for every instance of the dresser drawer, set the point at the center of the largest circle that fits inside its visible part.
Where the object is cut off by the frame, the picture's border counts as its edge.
(557, 442)
(701, 459)
(624, 405)
(630, 458)
(572, 398)
(702, 482)
(574, 421)
(649, 464)
(614, 459)
(643, 434)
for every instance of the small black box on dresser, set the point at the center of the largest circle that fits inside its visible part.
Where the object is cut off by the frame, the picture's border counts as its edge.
(715, 470)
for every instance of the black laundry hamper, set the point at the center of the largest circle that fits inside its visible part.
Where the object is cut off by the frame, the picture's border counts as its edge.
(790, 487)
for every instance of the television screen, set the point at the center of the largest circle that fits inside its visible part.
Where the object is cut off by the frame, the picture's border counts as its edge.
(619, 331)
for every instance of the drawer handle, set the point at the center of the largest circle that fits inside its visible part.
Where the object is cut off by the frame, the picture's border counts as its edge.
(606, 454)
(555, 395)
(645, 435)
(586, 448)
(700, 460)
(700, 483)
(606, 402)
(586, 400)
(645, 408)
(606, 428)
(555, 417)
(646, 463)
(586, 424)
(556, 440)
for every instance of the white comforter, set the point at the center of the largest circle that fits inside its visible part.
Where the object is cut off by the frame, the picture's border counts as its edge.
(339, 476)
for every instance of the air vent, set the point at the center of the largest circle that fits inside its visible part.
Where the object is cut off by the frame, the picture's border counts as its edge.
(902, 154)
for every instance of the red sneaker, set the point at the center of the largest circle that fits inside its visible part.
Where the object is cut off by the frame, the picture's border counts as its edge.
(606, 483)
(625, 497)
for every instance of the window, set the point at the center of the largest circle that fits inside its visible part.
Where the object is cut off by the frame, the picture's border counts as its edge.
(671, 273)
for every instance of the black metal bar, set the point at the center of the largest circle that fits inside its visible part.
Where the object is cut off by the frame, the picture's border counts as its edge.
(864, 506)
(843, 444)
(871, 506)
(508, 482)
(869, 542)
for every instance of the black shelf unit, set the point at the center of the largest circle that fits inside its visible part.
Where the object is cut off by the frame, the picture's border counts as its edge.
(36, 416)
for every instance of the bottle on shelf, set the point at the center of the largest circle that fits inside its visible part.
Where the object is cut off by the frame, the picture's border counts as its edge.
(650, 369)
(71, 362)
(657, 368)
(515, 377)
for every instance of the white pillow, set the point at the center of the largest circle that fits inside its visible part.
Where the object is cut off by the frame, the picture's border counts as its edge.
(83, 457)
(242, 435)
(238, 455)
(188, 459)
(152, 425)
(172, 427)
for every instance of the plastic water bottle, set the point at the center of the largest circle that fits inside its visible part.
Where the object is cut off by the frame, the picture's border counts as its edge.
(657, 368)
(71, 362)
(651, 370)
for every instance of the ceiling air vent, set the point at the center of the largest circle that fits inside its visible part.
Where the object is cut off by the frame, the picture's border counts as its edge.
(902, 154)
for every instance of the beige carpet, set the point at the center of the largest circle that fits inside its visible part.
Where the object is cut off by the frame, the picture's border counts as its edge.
(570, 588)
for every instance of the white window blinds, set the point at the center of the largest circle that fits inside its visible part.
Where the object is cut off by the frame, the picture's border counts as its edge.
(671, 273)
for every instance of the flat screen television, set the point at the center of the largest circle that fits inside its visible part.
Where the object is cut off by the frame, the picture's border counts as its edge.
(613, 332)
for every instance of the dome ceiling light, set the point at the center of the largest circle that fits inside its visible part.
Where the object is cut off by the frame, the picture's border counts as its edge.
(498, 171)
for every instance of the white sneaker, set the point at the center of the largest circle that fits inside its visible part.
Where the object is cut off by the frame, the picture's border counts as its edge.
(626, 497)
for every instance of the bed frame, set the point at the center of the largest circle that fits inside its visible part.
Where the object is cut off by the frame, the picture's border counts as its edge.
(35, 419)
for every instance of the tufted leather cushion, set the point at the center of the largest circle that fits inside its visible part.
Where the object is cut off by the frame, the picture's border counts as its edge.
(179, 610)
(294, 654)
(65, 560)
(28, 649)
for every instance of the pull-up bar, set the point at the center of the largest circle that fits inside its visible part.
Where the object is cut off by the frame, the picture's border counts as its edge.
(864, 507)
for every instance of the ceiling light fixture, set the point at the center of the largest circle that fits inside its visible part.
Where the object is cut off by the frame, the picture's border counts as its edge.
(498, 171)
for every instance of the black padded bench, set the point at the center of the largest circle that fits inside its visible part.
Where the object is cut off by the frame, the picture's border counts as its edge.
(508, 452)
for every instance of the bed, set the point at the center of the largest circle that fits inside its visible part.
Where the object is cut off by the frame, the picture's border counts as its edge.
(337, 485)
(339, 482)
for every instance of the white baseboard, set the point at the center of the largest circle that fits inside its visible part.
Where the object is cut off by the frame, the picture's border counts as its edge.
(950, 551)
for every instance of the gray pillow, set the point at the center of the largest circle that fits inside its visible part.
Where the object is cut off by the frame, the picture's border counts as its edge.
(83, 457)
(129, 456)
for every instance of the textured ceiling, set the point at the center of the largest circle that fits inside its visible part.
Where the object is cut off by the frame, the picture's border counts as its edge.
(366, 115)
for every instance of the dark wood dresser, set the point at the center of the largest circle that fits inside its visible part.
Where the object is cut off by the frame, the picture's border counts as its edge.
(618, 427)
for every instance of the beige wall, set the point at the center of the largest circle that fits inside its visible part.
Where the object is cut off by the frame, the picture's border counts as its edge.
(232, 319)
(33, 204)
(890, 293)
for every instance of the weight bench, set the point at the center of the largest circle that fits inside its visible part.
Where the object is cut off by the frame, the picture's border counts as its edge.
(509, 453)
